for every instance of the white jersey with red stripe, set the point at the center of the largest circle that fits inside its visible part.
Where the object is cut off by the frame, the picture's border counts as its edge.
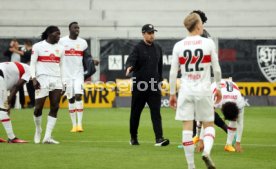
(72, 61)
(194, 55)
(46, 59)
(14, 71)
(230, 93)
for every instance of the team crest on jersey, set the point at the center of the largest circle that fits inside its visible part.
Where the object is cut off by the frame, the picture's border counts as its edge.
(78, 46)
(52, 56)
(57, 51)
(266, 57)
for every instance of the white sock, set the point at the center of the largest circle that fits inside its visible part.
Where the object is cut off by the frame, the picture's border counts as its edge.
(188, 145)
(231, 131)
(79, 108)
(37, 121)
(208, 140)
(50, 126)
(5, 119)
(201, 135)
(73, 112)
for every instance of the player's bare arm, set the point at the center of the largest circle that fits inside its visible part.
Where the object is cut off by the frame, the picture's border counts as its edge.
(173, 101)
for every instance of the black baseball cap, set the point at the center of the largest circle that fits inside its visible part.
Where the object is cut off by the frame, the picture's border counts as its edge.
(148, 28)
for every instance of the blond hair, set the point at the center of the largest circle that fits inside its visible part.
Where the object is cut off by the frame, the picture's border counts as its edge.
(191, 21)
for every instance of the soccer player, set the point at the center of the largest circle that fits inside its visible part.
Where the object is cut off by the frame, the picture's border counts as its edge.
(13, 75)
(218, 121)
(232, 107)
(194, 55)
(75, 63)
(46, 74)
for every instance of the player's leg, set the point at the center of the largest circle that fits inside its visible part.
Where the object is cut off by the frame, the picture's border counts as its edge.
(31, 93)
(185, 112)
(39, 103)
(154, 102)
(78, 91)
(79, 111)
(205, 113)
(138, 102)
(188, 145)
(72, 112)
(71, 104)
(231, 131)
(220, 123)
(4, 117)
(54, 97)
(239, 131)
(197, 125)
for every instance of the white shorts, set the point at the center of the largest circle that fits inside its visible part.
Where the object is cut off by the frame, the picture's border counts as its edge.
(199, 108)
(73, 87)
(3, 94)
(47, 84)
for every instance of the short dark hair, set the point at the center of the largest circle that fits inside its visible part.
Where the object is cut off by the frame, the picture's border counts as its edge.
(202, 15)
(230, 111)
(28, 42)
(48, 30)
(72, 24)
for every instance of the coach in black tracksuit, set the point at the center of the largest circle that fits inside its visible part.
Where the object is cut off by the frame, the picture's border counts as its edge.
(146, 63)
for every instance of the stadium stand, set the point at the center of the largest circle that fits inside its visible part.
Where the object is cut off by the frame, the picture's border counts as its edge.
(123, 18)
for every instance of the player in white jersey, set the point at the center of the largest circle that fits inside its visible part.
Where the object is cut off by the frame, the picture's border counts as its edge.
(76, 52)
(46, 73)
(195, 55)
(232, 107)
(13, 75)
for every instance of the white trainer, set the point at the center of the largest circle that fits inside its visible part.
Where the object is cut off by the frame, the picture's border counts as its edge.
(49, 141)
(37, 136)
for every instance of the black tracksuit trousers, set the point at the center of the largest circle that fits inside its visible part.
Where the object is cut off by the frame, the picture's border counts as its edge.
(139, 99)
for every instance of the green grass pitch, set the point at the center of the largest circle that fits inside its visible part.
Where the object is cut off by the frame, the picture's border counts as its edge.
(104, 144)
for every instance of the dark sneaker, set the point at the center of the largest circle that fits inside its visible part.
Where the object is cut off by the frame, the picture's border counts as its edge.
(208, 162)
(162, 142)
(134, 142)
(16, 140)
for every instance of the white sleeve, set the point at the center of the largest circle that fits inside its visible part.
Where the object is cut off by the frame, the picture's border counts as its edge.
(173, 71)
(33, 62)
(61, 66)
(215, 64)
(85, 45)
(240, 125)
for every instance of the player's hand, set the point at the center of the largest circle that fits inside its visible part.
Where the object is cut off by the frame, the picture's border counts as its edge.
(129, 69)
(200, 146)
(36, 84)
(238, 147)
(218, 96)
(173, 101)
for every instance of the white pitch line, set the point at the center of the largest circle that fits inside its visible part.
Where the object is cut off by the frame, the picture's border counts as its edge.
(152, 142)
